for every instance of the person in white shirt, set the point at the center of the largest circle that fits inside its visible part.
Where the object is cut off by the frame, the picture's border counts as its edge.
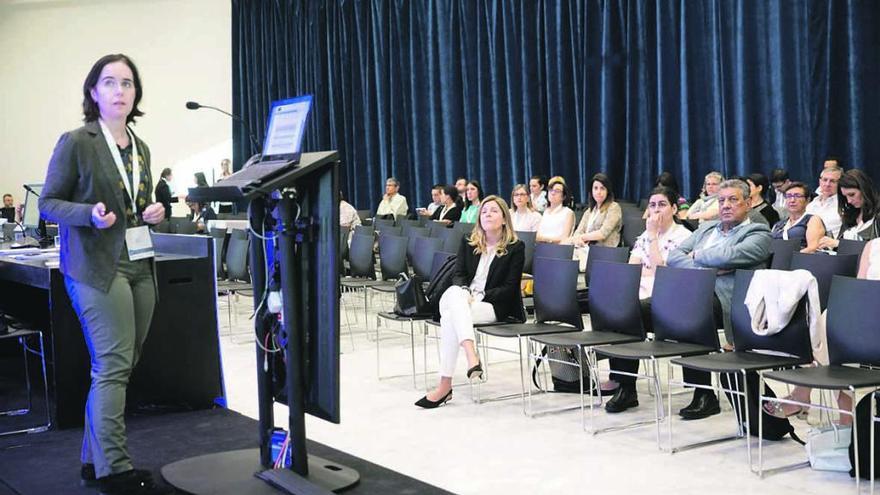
(435, 203)
(825, 204)
(538, 194)
(557, 222)
(348, 216)
(779, 181)
(393, 204)
(706, 208)
(525, 218)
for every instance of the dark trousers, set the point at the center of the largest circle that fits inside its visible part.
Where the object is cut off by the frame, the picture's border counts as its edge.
(632, 365)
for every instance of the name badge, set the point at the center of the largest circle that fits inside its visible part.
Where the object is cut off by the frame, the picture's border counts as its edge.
(139, 243)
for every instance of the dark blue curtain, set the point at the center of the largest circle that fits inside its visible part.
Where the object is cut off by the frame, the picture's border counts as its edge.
(497, 91)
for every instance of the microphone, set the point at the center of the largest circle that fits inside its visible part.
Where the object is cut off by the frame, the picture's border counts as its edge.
(31, 190)
(192, 105)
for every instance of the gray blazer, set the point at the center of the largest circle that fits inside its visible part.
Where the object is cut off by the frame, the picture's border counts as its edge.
(81, 173)
(746, 246)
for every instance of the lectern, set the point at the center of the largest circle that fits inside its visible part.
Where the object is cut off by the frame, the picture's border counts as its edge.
(294, 215)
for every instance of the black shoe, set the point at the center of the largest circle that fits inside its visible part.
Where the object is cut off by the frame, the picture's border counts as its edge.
(87, 475)
(476, 372)
(133, 482)
(430, 404)
(624, 399)
(703, 406)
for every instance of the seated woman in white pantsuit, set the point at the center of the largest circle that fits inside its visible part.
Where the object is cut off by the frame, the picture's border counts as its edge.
(485, 289)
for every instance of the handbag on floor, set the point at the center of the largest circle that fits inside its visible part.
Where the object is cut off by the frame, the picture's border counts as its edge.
(774, 428)
(564, 376)
(829, 450)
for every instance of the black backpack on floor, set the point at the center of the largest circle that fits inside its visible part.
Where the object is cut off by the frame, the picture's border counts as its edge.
(774, 428)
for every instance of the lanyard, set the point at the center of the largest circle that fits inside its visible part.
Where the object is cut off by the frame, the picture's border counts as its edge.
(130, 188)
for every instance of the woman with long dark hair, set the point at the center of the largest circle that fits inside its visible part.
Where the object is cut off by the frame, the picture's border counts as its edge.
(857, 202)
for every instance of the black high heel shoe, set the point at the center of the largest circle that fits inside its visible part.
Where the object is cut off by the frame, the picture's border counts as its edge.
(427, 403)
(476, 372)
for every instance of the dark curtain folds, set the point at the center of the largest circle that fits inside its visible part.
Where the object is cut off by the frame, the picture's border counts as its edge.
(497, 91)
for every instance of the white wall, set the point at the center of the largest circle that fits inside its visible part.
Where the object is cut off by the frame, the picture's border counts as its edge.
(182, 49)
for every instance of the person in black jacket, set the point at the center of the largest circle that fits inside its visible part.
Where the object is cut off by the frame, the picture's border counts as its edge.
(163, 191)
(449, 210)
(485, 289)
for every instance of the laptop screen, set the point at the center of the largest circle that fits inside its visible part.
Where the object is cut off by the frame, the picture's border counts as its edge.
(284, 133)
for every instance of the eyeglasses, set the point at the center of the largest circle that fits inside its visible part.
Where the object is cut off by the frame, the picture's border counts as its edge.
(661, 204)
(795, 196)
(520, 194)
(556, 191)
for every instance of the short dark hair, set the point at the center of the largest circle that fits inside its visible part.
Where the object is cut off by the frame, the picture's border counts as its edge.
(165, 172)
(541, 180)
(91, 112)
(605, 181)
(451, 191)
(669, 193)
(7, 195)
(666, 179)
(778, 175)
(439, 187)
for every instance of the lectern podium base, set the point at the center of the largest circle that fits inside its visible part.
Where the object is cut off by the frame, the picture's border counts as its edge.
(233, 473)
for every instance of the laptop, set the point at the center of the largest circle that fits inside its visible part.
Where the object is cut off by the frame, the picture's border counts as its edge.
(283, 145)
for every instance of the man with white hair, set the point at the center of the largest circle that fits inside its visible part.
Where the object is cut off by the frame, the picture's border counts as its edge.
(825, 204)
(393, 204)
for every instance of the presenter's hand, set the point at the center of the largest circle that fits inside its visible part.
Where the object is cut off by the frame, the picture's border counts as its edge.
(101, 218)
(154, 213)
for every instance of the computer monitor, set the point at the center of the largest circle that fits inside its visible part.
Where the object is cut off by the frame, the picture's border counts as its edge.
(286, 128)
(31, 212)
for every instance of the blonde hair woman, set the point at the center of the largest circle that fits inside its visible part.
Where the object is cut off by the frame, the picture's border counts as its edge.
(485, 289)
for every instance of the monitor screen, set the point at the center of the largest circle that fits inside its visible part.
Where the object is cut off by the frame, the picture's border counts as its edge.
(286, 127)
(31, 214)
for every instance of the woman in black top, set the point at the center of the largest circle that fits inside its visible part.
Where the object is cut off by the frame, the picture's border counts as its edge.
(450, 211)
(758, 185)
(486, 288)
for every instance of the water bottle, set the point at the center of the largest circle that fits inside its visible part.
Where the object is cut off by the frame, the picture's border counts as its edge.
(18, 233)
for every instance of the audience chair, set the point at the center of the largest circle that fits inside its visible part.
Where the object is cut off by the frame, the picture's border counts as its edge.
(556, 311)
(163, 227)
(343, 248)
(452, 240)
(853, 339)
(554, 251)
(412, 234)
(237, 276)
(437, 229)
(187, 228)
(23, 336)
(528, 240)
(382, 223)
(423, 256)
(616, 319)
(848, 247)
(633, 227)
(219, 236)
(824, 267)
(362, 269)
(781, 251)
(384, 230)
(364, 230)
(464, 228)
(789, 348)
(407, 223)
(365, 216)
(677, 333)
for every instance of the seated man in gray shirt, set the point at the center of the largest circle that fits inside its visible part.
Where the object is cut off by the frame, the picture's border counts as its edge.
(727, 244)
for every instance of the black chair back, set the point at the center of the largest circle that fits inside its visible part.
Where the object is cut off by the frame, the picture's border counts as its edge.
(423, 256)
(614, 298)
(384, 230)
(219, 236)
(411, 243)
(187, 228)
(437, 229)
(392, 256)
(343, 246)
(604, 253)
(633, 226)
(555, 251)
(528, 240)
(364, 230)
(682, 306)
(452, 241)
(415, 231)
(237, 256)
(406, 223)
(847, 247)
(781, 251)
(364, 215)
(163, 227)
(381, 223)
(440, 257)
(794, 339)
(464, 227)
(824, 267)
(852, 329)
(361, 261)
(555, 291)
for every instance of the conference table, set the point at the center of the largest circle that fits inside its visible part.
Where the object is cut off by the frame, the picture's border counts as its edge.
(180, 368)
